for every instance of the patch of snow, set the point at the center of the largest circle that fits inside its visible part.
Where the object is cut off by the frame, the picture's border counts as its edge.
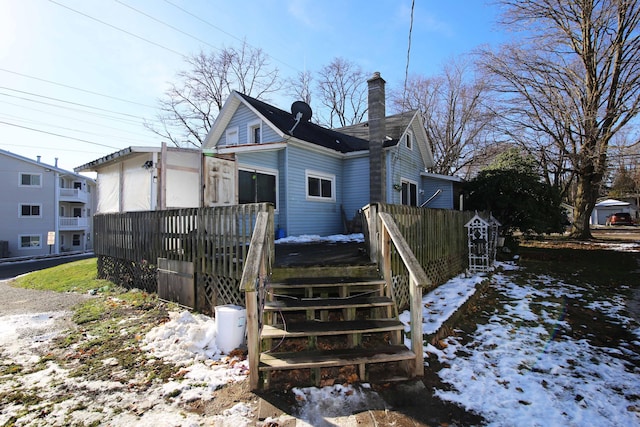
(514, 371)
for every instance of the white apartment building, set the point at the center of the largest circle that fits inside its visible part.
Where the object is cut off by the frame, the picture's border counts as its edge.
(44, 209)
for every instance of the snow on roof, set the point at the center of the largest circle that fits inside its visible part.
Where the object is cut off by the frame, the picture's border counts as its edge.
(611, 203)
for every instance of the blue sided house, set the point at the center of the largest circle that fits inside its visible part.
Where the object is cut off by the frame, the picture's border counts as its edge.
(316, 177)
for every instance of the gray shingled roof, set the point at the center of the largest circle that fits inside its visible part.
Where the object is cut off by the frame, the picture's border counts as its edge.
(395, 125)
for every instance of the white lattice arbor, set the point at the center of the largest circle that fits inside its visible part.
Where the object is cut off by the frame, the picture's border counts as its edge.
(480, 257)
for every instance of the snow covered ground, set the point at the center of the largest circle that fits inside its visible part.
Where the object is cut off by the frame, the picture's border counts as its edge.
(521, 367)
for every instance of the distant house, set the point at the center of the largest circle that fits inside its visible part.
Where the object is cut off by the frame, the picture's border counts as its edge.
(607, 207)
(44, 209)
(316, 176)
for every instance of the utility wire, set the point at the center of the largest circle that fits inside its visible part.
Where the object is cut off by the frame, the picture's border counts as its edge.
(59, 135)
(77, 88)
(102, 115)
(167, 25)
(40, 147)
(224, 32)
(76, 119)
(406, 70)
(70, 102)
(118, 28)
(35, 122)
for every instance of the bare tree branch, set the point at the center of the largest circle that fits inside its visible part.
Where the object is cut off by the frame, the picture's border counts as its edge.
(456, 119)
(342, 89)
(570, 86)
(191, 104)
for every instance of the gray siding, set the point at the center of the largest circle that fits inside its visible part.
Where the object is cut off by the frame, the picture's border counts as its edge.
(403, 164)
(355, 186)
(444, 200)
(12, 225)
(242, 117)
(311, 216)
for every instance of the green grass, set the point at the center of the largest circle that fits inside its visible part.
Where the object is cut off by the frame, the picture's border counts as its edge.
(596, 267)
(77, 276)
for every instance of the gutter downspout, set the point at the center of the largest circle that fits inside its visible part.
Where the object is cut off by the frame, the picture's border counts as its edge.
(56, 216)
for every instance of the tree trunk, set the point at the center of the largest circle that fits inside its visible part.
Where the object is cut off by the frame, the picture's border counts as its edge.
(586, 196)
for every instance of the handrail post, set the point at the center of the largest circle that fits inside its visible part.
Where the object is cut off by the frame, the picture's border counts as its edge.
(254, 276)
(418, 279)
(416, 326)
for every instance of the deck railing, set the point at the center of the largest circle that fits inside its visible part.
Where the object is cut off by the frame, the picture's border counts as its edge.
(436, 237)
(253, 284)
(215, 239)
(390, 236)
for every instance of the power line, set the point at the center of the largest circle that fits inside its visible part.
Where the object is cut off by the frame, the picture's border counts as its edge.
(66, 102)
(224, 32)
(59, 135)
(21, 119)
(50, 148)
(118, 28)
(406, 70)
(166, 24)
(77, 88)
(75, 119)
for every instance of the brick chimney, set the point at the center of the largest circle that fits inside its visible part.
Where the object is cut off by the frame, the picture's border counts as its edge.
(377, 135)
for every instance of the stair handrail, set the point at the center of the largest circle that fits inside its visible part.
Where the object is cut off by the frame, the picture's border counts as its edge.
(253, 283)
(390, 233)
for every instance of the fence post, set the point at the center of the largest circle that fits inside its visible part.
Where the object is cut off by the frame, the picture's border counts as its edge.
(371, 216)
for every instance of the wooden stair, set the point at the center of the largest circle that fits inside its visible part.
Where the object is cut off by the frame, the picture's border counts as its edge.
(327, 323)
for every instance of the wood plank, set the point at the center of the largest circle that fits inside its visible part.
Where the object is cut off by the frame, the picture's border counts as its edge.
(327, 358)
(293, 304)
(324, 282)
(317, 328)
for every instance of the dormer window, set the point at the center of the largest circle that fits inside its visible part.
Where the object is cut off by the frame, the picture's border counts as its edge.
(254, 132)
(408, 140)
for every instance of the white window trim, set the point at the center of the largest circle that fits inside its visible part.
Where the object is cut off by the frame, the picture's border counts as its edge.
(408, 137)
(254, 124)
(265, 171)
(20, 205)
(229, 132)
(20, 184)
(328, 177)
(411, 182)
(39, 236)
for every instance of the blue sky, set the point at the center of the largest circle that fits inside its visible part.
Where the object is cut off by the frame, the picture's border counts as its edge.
(90, 71)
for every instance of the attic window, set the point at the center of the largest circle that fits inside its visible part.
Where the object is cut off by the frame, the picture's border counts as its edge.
(408, 140)
(254, 132)
(232, 136)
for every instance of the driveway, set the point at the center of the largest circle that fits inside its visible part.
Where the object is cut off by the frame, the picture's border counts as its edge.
(22, 301)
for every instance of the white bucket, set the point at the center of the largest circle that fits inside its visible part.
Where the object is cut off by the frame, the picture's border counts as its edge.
(231, 322)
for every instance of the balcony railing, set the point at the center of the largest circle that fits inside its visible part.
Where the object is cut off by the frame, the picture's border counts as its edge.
(73, 195)
(75, 223)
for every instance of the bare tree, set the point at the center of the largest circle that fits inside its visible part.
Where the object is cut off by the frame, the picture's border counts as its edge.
(191, 104)
(571, 85)
(342, 89)
(455, 117)
(300, 86)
